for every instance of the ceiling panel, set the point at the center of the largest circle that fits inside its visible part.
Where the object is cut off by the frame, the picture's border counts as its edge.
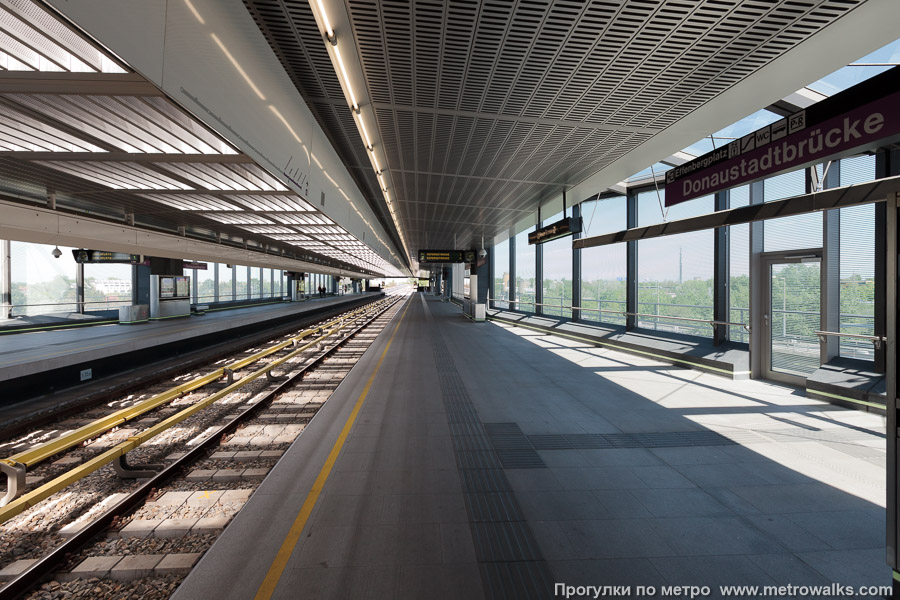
(485, 108)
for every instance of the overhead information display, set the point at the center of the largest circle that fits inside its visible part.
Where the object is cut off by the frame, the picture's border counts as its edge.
(561, 228)
(446, 256)
(99, 256)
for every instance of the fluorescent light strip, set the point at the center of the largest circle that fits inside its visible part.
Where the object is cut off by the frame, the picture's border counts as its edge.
(353, 103)
(237, 65)
(329, 32)
(377, 167)
(362, 126)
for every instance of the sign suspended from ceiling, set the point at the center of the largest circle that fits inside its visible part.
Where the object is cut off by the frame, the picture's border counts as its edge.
(446, 256)
(859, 118)
(562, 228)
(100, 256)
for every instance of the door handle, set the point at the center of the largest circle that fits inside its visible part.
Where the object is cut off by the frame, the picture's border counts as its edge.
(766, 320)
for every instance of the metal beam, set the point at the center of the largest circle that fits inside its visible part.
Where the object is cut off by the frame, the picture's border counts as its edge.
(864, 193)
(97, 84)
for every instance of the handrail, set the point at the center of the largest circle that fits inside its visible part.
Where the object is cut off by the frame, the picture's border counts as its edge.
(16, 464)
(710, 322)
(875, 339)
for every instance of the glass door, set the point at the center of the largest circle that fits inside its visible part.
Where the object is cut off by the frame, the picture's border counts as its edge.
(792, 316)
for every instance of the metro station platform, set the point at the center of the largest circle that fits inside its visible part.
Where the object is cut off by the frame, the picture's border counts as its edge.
(31, 363)
(467, 460)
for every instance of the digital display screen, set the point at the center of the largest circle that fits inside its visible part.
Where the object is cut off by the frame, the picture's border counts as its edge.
(99, 256)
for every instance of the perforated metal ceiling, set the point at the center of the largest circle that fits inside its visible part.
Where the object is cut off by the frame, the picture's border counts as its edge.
(486, 107)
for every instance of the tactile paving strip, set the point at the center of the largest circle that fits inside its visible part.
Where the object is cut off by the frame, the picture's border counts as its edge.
(508, 554)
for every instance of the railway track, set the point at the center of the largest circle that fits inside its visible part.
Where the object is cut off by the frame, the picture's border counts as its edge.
(106, 535)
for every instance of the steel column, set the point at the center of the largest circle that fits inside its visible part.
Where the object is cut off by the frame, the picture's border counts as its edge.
(890, 346)
(631, 284)
(538, 271)
(721, 271)
(576, 268)
(831, 265)
(757, 301)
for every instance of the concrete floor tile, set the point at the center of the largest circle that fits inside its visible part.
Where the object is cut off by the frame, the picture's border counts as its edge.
(680, 503)
(598, 478)
(622, 504)
(563, 458)
(806, 497)
(423, 508)
(694, 536)
(337, 510)
(615, 538)
(338, 583)
(456, 543)
(791, 535)
(440, 582)
(532, 479)
(787, 569)
(720, 475)
(662, 476)
(620, 457)
(712, 571)
(844, 530)
(552, 540)
(850, 567)
(561, 505)
(612, 571)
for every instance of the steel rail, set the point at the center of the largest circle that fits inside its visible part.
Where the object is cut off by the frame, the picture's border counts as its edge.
(59, 555)
(15, 466)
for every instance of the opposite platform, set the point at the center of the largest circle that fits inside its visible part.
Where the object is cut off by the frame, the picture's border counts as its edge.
(491, 462)
(29, 360)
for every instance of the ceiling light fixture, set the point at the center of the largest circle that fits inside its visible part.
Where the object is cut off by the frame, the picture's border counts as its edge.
(362, 126)
(353, 103)
(329, 32)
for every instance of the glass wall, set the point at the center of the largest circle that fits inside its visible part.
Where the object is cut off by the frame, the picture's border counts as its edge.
(739, 269)
(44, 283)
(675, 272)
(241, 277)
(106, 286)
(857, 285)
(267, 283)
(525, 284)
(226, 278)
(790, 233)
(557, 280)
(500, 268)
(206, 284)
(255, 282)
(604, 268)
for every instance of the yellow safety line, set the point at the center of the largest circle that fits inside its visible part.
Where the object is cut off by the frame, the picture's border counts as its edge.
(273, 576)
